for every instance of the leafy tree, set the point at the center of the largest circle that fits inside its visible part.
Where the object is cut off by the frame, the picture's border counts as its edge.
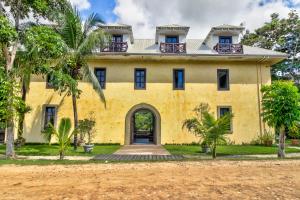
(281, 35)
(143, 120)
(80, 38)
(62, 135)
(42, 46)
(281, 109)
(11, 32)
(212, 131)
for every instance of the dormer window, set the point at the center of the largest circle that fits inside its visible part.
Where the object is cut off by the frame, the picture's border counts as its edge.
(172, 39)
(121, 36)
(225, 39)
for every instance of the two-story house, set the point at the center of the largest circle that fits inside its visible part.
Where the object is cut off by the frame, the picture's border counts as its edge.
(167, 76)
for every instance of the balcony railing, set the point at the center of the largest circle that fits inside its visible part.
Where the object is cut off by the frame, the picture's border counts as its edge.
(173, 47)
(115, 47)
(229, 48)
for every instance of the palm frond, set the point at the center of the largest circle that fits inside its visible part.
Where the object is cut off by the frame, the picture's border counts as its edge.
(71, 30)
(88, 75)
(95, 39)
(92, 21)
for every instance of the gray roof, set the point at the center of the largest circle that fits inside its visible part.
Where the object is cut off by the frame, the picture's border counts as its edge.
(227, 26)
(194, 47)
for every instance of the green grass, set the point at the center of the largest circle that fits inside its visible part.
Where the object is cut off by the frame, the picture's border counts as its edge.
(226, 150)
(46, 150)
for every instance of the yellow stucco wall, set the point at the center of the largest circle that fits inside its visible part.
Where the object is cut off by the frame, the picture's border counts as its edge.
(174, 106)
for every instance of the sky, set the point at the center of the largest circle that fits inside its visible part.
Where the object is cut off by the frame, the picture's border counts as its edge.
(199, 15)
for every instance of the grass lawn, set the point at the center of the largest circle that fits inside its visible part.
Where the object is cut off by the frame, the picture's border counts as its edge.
(226, 150)
(46, 150)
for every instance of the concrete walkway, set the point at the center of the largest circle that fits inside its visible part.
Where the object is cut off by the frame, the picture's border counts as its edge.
(142, 150)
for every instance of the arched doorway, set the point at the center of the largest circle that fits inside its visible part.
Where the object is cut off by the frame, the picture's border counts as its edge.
(142, 125)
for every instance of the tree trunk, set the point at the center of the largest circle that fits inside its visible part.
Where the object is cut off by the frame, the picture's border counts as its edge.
(61, 155)
(10, 152)
(22, 116)
(281, 146)
(74, 101)
(214, 152)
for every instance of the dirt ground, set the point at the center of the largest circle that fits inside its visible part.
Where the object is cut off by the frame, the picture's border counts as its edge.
(168, 180)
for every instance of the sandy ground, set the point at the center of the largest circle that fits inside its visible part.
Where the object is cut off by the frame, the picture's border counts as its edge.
(168, 180)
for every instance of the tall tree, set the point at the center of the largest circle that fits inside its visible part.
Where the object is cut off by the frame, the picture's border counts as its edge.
(281, 108)
(80, 38)
(17, 11)
(280, 35)
(42, 46)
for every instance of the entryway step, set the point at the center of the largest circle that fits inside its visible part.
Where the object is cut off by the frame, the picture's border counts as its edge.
(144, 149)
(114, 157)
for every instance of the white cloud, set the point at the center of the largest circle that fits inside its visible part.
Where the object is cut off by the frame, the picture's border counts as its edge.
(81, 4)
(200, 15)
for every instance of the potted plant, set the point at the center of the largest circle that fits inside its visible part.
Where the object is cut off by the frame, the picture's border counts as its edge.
(267, 138)
(87, 130)
(295, 135)
(205, 147)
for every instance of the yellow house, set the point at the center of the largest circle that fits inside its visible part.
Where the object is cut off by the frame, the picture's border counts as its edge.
(167, 76)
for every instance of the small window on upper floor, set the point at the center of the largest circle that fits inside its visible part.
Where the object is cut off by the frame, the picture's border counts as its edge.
(223, 79)
(117, 38)
(100, 74)
(172, 39)
(178, 79)
(139, 79)
(225, 39)
(223, 110)
(49, 116)
(48, 81)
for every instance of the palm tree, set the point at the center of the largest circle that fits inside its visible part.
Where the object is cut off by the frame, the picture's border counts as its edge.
(62, 135)
(80, 39)
(212, 131)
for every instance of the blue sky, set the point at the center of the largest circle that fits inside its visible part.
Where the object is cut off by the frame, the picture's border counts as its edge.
(103, 7)
(200, 15)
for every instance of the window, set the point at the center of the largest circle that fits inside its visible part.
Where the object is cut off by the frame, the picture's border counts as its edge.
(48, 81)
(222, 110)
(178, 79)
(225, 40)
(117, 38)
(140, 79)
(50, 116)
(172, 39)
(100, 74)
(223, 79)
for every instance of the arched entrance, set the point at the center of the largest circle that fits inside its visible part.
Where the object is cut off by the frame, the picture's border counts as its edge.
(142, 125)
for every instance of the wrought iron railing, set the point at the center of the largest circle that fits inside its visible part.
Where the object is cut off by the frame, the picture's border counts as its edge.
(229, 48)
(173, 47)
(115, 47)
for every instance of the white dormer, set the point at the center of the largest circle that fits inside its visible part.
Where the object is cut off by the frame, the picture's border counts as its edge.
(171, 38)
(121, 37)
(225, 39)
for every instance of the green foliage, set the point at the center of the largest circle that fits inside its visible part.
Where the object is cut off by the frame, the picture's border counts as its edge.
(44, 42)
(80, 38)
(9, 99)
(62, 135)
(280, 34)
(265, 139)
(7, 32)
(49, 9)
(280, 103)
(86, 127)
(294, 131)
(212, 131)
(143, 120)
